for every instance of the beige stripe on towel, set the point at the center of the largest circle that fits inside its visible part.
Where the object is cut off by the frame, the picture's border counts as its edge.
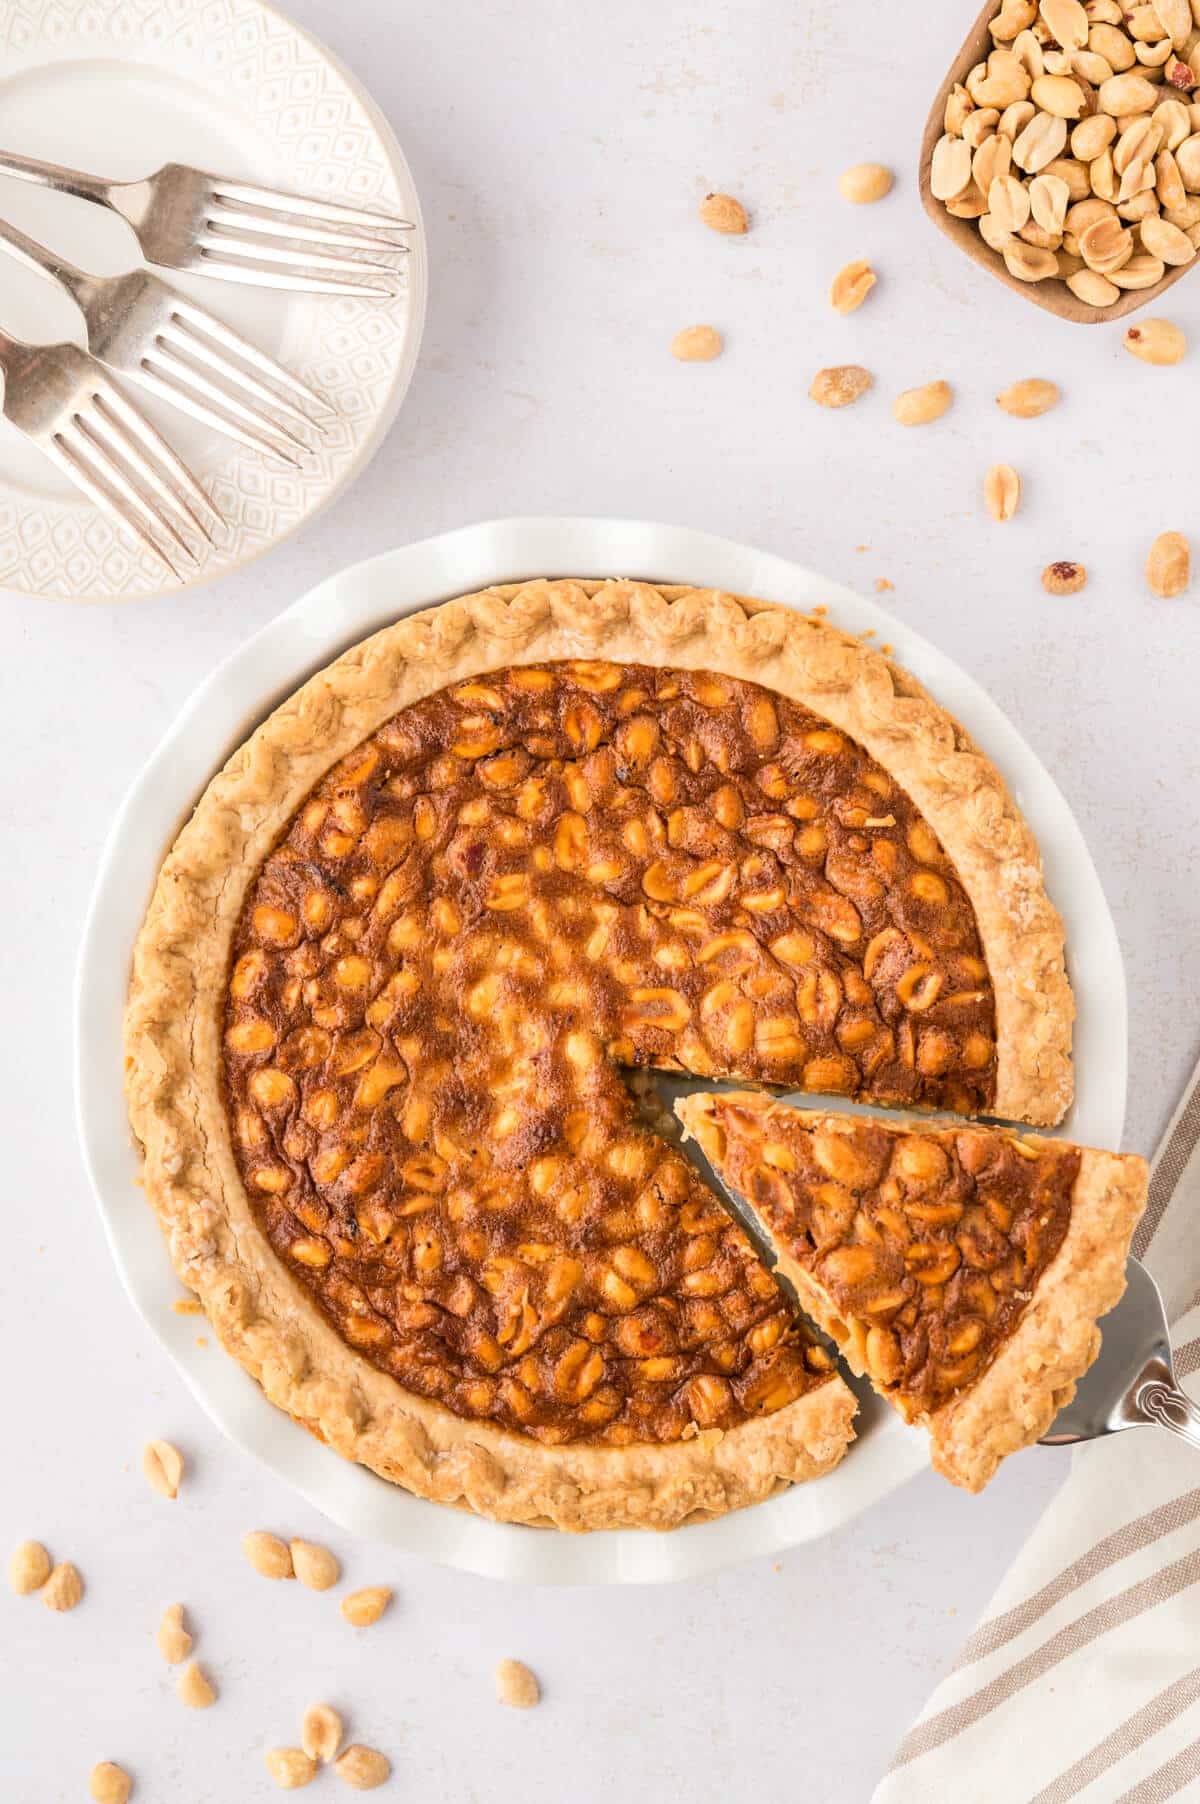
(1111, 1614)
(1137, 1729)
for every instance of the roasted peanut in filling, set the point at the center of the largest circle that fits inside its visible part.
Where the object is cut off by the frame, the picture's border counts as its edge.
(927, 1245)
(514, 887)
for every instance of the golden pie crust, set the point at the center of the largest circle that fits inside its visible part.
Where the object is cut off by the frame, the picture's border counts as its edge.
(273, 1106)
(962, 1269)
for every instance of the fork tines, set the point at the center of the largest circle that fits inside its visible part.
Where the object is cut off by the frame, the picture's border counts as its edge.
(370, 227)
(115, 455)
(288, 240)
(238, 403)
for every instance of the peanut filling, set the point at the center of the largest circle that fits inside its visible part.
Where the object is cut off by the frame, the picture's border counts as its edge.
(927, 1245)
(513, 887)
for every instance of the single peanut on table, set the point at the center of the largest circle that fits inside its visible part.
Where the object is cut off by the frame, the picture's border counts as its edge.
(174, 1642)
(851, 286)
(1169, 565)
(268, 1554)
(63, 1589)
(321, 1733)
(194, 1688)
(1156, 341)
(29, 1568)
(1002, 491)
(921, 406)
(109, 1783)
(362, 1768)
(163, 1467)
(1063, 577)
(290, 1768)
(697, 344)
(314, 1565)
(362, 1608)
(840, 386)
(1028, 399)
(516, 1685)
(721, 213)
(865, 182)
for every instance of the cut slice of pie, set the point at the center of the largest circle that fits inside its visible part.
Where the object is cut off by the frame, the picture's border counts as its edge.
(961, 1268)
(398, 957)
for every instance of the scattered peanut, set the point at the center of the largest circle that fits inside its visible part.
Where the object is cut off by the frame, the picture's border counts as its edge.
(1002, 491)
(163, 1467)
(697, 344)
(721, 213)
(321, 1732)
(174, 1642)
(268, 1554)
(1063, 578)
(63, 1589)
(108, 1783)
(1169, 565)
(362, 1768)
(841, 385)
(1156, 341)
(851, 286)
(865, 182)
(1026, 400)
(921, 406)
(314, 1566)
(290, 1768)
(194, 1688)
(28, 1568)
(516, 1685)
(362, 1608)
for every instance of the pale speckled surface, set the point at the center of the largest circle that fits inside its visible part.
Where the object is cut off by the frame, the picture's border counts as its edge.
(559, 152)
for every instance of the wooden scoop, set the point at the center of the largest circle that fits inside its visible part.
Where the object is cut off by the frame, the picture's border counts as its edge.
(1053, 294)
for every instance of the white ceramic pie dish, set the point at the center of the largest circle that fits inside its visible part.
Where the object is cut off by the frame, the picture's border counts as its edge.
(223, 710)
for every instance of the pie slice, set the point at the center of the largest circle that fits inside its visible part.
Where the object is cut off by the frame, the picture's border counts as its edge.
(961, 1269)
(396, 961)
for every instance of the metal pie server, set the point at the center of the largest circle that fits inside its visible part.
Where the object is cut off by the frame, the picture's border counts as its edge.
(1132, 1382)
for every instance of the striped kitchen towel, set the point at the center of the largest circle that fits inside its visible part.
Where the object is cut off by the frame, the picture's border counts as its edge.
(1082, 1682)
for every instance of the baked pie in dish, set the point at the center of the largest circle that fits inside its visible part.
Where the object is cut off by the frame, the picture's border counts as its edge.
(960, 1268)
(396, 962)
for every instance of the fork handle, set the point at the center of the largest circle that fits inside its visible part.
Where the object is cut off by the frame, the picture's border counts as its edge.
(46, 262)
(56, 175)
(1163, 1402)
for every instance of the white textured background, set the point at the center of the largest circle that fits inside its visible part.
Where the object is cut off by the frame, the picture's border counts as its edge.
(560, 151)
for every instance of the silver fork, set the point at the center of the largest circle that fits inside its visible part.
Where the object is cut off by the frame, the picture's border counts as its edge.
(141, 326)
(217, 226)
(63, 402)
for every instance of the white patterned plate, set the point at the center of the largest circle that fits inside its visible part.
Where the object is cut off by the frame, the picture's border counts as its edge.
(225, 708)
(120, 87)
